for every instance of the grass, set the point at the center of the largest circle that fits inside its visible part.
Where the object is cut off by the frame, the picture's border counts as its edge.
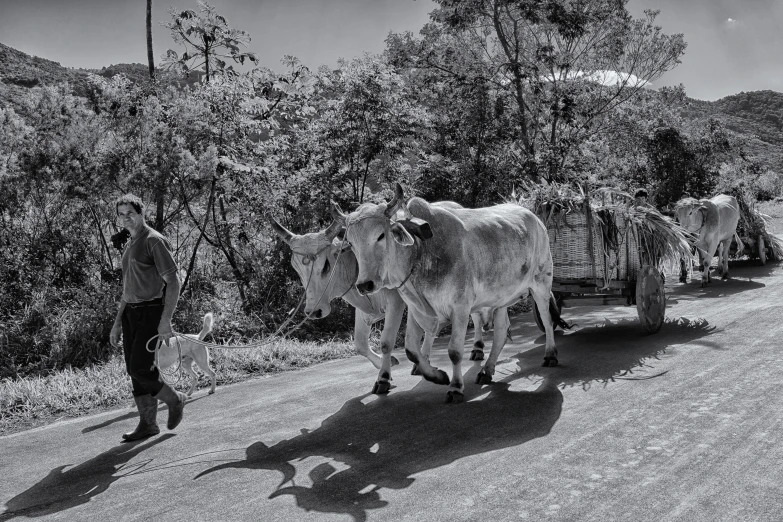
(29, 402)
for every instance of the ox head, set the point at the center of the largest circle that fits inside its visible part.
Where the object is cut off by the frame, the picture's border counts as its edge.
(314, 258)
(691, 214)
(383, 238)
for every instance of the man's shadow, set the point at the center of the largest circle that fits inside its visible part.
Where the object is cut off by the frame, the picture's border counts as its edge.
(66, 487)
(385, 442)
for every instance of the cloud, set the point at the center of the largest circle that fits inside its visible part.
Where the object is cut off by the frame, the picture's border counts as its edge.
(608, 78)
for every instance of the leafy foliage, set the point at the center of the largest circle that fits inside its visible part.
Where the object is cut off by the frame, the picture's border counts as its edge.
(469, 111)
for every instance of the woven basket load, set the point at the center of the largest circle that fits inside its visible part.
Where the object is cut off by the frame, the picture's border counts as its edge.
(623, 262)
(569, 243)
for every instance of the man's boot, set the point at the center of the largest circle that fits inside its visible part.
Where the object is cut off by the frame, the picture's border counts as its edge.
(176, 403)
(148, 412)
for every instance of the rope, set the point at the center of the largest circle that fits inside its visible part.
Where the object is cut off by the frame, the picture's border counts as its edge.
(268, 340)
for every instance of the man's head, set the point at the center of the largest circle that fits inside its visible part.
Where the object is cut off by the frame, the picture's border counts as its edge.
(130, 210)
(641, 195)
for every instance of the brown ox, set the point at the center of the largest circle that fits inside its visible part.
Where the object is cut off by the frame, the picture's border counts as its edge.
(328, 270)
(714, 222)
(475, 259)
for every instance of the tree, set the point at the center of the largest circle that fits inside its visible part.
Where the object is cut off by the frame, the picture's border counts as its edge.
(565, 63)
(150, 56)
(207, 39)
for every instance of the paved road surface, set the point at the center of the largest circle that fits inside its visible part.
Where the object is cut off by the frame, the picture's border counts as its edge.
(683, 425)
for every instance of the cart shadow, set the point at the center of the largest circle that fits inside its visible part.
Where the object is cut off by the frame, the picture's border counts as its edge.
(383, 442)
(616, 349)
(67, 486)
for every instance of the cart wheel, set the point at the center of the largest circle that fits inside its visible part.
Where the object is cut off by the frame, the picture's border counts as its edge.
(650, 299)
(762, 250)
(537, 316)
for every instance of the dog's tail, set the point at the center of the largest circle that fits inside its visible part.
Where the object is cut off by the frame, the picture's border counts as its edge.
(207, 326)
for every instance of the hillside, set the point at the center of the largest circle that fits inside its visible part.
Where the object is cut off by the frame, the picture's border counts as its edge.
(20, 71)
(754, 118)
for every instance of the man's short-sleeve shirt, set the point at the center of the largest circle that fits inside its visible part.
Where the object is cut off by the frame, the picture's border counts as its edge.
(145, 261)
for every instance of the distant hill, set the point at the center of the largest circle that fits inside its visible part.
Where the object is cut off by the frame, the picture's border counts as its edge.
(756, 117)
(22, 70)
(19, 70)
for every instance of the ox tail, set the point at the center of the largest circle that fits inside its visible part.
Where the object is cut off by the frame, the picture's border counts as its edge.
(554, 312)
(208, 320)
(740, 246)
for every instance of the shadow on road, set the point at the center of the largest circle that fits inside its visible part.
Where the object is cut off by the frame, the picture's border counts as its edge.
(386, 441)
(133, 414)
(614, 350)
(743, 275)
(65, 488)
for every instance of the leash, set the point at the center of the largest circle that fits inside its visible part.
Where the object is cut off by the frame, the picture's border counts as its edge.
(274, 337)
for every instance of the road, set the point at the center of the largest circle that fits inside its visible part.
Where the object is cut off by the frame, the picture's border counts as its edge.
(682, 425)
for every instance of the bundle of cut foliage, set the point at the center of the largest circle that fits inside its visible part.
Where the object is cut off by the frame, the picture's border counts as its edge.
(752, 223)
(602, 233)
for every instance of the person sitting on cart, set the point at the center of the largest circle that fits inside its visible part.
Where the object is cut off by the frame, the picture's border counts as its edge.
(640, 198)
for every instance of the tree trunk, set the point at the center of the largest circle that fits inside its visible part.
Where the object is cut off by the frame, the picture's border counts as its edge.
(150, 56)
(200, 236)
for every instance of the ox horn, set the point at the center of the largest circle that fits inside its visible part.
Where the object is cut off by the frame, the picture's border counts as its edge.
(281, 231)
(334, 230)
(337, 213)
(399, 199)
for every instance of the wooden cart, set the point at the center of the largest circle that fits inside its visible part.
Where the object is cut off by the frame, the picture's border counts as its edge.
(647, 291)
(754, 248)
(593, 259)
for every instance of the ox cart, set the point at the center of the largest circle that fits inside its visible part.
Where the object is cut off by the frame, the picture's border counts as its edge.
(605, 245)
(757, 243)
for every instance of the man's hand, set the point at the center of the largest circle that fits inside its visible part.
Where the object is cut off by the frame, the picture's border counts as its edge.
(114, 336)
(164, 331)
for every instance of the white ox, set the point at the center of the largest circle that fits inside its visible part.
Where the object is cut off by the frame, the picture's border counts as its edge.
(328, 270)
(475, 259)
(714, 222)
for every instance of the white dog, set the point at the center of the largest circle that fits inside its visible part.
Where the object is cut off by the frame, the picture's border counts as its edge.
(191, 352)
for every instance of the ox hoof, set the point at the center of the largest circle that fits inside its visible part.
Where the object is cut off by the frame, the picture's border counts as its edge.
(455, 397)
(394, 361)
(683, 279)
(381, 388)
(415, 370)
(483, 378)
(441, 377)
(477, 355)
(550, 361)
(725, 276)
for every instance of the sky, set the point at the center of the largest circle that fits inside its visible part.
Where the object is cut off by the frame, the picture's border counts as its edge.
(733, 45)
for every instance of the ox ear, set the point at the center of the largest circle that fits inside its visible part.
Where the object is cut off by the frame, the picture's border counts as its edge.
(281, 231)
(401, 235)
(417, 227)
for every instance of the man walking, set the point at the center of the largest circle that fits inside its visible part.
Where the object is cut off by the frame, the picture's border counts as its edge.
(150, 291)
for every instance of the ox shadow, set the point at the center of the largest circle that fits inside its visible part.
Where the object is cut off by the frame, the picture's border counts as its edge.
(384, 442)
(67, 486)
(388, 440)
(717, 288)
(744, 276)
